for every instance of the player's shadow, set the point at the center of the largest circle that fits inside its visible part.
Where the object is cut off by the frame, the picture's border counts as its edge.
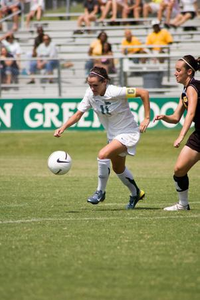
(103, 209)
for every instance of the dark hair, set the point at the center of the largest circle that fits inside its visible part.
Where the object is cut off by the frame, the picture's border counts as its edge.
(10, 36)
(191, 63)
(100, 34)
(99, 72)
(109, 47)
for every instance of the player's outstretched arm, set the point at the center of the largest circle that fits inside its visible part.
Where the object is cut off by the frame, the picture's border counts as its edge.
(71, 121)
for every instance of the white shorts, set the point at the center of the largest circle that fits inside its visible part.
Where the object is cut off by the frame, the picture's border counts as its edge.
(154, 7)
(129, 140)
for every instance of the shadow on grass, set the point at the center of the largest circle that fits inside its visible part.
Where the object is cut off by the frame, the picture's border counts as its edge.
(109, 209)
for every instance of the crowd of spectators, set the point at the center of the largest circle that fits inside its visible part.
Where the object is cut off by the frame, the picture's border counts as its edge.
(167, 12)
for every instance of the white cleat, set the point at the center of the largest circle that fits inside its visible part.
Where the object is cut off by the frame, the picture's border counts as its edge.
(177, 207)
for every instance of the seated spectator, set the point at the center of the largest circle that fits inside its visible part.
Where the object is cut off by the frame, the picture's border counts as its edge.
(96, 49)
(129, 41)
(168, 8)
(36, 9)
(91, 9)
(189, 11)
(151, 8)
(106, 62)
(133, 9)
(117, 7)
(8, 8)
(39, 38)
(158, 38)
(8, 68)
(45, 50)
(108, 7)
(13, 47)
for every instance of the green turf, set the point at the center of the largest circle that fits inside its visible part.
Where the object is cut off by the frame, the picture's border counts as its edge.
(56, 246)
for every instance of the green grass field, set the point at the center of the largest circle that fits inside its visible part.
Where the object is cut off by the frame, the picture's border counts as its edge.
(56, 246)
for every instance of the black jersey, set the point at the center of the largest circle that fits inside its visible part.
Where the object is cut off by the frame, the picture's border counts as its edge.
(196, 85)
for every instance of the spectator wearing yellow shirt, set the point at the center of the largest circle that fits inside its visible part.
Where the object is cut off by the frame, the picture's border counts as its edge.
(95, 49)
(129, 41)
(158, 38)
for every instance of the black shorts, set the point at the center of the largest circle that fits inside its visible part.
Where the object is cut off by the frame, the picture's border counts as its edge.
(194, 141)
(193, 14)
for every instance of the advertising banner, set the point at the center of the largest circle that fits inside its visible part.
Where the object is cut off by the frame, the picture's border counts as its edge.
(48, 114)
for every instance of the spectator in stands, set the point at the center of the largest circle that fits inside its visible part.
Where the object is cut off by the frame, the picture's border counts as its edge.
(13, 47)
(91, 9)
(151, 8)
(8, 8)
(189, 11)
(96, 49)
(39, 38)
(107, 62)
(158, 38)
(119, 7)
(45, 50)
(133, 9)
(108, 7)
(129, 41)
(8, 68)
(36, 9)
(170, 8)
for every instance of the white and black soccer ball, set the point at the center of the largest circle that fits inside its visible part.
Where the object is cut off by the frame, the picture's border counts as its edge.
(59, 162)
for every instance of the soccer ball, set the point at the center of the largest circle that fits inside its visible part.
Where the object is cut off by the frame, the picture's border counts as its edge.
(59, 162)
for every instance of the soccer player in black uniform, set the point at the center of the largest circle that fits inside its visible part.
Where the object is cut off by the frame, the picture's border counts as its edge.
(190, 101)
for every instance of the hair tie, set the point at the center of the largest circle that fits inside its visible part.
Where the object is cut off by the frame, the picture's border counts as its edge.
(188, 64)
(94, 73)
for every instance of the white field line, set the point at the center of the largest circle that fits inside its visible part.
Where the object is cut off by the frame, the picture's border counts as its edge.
(39, 220)
(106, 204)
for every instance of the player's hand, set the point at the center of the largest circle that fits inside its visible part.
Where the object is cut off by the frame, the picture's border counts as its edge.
(58, 132)
(158, 117)
(144, 124)
(178, 142)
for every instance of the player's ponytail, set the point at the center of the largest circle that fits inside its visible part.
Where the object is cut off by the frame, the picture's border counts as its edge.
(198, 64)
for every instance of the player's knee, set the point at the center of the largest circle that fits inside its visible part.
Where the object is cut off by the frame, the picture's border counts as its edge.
(102, 154)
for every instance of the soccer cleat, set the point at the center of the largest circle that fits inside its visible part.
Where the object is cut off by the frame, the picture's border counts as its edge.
(134, 199)
(98, 196)
(177, 207)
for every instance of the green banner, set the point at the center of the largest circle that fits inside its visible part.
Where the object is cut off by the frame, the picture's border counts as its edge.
(48, 114)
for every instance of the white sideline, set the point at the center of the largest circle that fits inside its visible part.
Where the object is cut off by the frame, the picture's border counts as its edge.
(35, 220)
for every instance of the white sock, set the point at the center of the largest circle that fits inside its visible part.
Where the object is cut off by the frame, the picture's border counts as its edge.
(183, 197)
(127, 178)
(103, 173)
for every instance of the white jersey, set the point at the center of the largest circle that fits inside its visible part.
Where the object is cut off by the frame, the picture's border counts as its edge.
(112, 109)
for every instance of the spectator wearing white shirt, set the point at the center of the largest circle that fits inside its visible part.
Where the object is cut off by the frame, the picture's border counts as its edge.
(12, 46)
(36, 9)
(189, 11)
(45, 50)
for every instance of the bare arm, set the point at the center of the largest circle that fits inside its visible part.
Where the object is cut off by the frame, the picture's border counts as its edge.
(192, 104)
(71, 121)
(144, 95)
(175, 117)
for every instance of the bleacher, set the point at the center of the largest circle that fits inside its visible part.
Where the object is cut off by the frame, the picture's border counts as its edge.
(70, 82)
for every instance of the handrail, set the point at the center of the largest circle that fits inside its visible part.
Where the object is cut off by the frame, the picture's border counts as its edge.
(120, 74)
(10, 16)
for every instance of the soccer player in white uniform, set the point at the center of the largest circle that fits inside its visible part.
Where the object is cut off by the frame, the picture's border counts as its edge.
(110, 104)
